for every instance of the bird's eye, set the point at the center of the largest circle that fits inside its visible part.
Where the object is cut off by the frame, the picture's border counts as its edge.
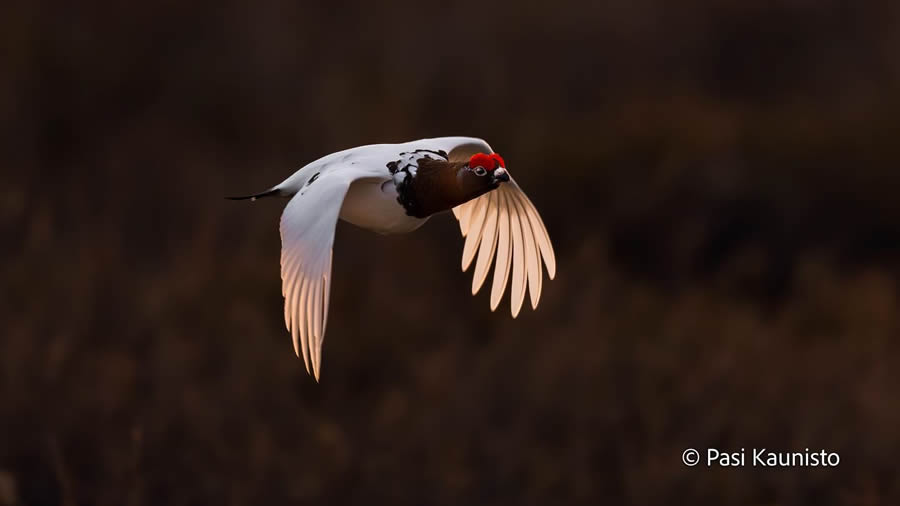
(479, 171)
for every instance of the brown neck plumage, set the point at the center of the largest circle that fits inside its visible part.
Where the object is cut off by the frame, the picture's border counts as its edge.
(440, 185)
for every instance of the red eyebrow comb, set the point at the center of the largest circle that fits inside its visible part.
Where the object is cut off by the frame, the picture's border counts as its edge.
(483, 160)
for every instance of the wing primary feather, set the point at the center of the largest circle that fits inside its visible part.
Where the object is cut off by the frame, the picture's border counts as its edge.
(544, 238)
(287, 289)
(289, 301)
(465, 211)
(540, 283)
(502, 264)
(317, 326)
(488, 244)
(517, 288)
(320, 339)
(300, 320)
(295, 337)
(317, 309)
(475, 236)
(532, 254)
(327, 277)
(303, 322)
(309, 317)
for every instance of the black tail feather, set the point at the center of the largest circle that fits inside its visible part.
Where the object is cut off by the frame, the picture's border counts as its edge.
(269, 193)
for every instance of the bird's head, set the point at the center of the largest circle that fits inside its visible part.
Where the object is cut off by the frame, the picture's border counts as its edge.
(482, 173)
(438, 185)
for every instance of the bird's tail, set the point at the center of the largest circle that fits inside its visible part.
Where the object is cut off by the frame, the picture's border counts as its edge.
(274, 192)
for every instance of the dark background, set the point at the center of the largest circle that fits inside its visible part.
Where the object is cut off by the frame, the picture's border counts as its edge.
(719, 179)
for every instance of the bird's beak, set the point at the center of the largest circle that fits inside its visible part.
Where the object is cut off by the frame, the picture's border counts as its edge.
(500, 175)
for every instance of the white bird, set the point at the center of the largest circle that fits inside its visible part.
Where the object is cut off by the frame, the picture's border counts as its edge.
(394, 189)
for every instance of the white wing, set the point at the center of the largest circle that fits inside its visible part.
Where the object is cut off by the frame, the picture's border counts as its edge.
(504, 225)
(458, 148)
(307, 236)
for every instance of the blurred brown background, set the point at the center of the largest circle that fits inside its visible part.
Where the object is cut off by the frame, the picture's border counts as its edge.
(719, 179)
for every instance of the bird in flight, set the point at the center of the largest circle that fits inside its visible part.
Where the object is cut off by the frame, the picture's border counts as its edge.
(394, 189)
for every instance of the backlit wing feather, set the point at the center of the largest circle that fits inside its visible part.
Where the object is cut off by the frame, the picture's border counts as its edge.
(504, 228)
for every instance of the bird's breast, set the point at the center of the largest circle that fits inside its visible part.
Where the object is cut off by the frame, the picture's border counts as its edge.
(372, 204)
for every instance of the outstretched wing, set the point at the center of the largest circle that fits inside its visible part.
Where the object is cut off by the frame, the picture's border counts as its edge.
(504, 225)
(307, 236)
